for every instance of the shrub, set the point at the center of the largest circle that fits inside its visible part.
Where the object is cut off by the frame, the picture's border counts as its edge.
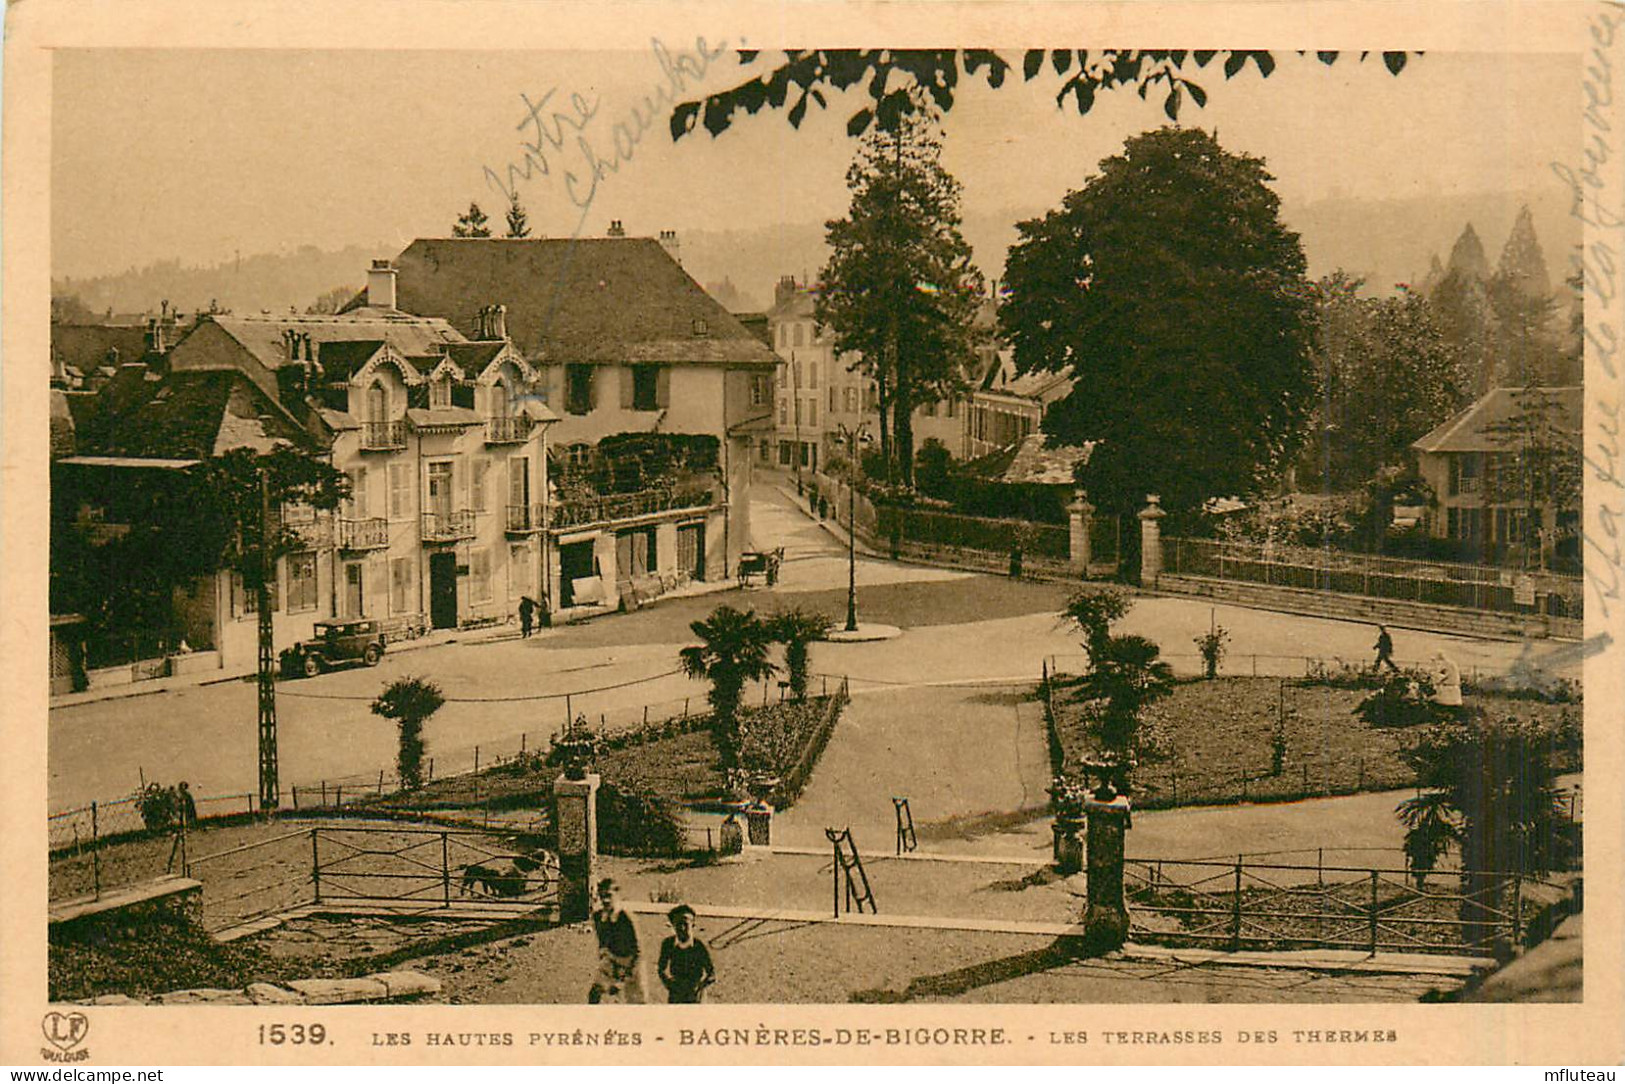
(409, 701)
(638, 824)
(1211, 644)
(160, 806)
(1404, 700)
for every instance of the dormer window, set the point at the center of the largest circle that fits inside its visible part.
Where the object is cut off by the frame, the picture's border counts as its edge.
(440, 392)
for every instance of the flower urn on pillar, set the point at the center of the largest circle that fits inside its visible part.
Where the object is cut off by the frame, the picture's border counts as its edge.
(1066, 801)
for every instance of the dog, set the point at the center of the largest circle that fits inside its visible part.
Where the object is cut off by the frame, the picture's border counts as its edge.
(507, 877)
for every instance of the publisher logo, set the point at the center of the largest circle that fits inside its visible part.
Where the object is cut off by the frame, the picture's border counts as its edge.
(65, 1031)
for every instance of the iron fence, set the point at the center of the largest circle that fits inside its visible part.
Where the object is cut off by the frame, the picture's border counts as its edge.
(1474, 587)
(1253, 905)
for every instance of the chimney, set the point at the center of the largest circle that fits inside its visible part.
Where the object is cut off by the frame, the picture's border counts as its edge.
(499, 323)
(616, 229)
(381, 285)
(669, 242)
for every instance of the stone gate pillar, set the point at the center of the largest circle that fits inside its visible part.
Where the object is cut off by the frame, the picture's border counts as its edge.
(1080, 520)
(1151, 540)
(1105, 924)
(576, 804)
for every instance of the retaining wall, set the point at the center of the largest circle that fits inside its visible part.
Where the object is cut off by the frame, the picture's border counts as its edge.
(1365, 608)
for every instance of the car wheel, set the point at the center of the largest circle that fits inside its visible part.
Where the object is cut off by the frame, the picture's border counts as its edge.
(312, 665)
(372, 654)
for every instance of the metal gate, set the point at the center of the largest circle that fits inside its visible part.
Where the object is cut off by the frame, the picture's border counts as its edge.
(426, 867)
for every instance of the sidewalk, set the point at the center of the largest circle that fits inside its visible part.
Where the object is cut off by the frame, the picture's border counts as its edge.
(434, 638)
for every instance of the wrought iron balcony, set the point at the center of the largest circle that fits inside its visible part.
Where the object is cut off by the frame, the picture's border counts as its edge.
(383, 436)
(447, 526)
(514, 430)
(581, 511)
(364, 534)
(526, 518)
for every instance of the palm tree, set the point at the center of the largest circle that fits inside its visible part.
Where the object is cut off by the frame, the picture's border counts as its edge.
(1125, 676)
(1490, 787)
(733, 649)
(409, 701)
(796, 629)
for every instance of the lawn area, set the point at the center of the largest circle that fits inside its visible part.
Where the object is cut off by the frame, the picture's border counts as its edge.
(673, 761)
(1219, 736)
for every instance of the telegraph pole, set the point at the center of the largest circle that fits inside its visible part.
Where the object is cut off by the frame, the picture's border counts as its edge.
(269, 789)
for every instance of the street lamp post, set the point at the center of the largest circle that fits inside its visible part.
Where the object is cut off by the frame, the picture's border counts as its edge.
(851, 437)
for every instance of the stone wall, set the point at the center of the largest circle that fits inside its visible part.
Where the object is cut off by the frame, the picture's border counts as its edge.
(1364, 608)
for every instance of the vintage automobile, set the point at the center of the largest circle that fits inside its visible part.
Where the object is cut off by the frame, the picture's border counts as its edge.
(335, 643)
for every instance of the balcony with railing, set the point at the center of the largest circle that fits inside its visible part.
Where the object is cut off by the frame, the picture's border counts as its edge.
(313, 529)
(525, 518)
(447, 526)
(383, 436)
(514, 430)
(364, 534)
(582, 511)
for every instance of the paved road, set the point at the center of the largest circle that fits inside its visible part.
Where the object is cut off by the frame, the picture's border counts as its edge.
(958, 627)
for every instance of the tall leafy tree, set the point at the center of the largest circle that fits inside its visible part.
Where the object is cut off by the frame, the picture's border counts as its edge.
(899, 289)
(1386, 376)
(1540, 465)
(472, 223)
(518, 220)
(733, 649)
(1171, 288)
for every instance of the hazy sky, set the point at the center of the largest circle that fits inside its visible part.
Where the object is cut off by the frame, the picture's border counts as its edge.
(198, 154)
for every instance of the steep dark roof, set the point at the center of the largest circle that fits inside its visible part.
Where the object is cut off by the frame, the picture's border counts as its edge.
(195, 415)
(597, 300)
(472, 358)
(340, 360)
(1479, 428)
(85, 346)
(1029, 462)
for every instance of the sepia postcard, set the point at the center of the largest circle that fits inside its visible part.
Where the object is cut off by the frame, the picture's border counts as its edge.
(927, 533)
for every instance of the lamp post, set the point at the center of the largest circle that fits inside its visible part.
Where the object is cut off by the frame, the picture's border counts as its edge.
(851, 437)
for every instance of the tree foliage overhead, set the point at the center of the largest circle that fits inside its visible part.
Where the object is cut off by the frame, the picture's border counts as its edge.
(895, 80)
(1171, 288)
(899, 289)
(1386, 376)
(226, 516)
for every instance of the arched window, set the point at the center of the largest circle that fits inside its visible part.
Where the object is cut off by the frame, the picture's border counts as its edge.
(499, 399)
(377, 403)
(440, 392)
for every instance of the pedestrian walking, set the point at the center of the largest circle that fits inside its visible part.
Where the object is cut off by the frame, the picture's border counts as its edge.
(527, 613)
(685, 963)
(1385, 650)
(185, 805)
(620, 963)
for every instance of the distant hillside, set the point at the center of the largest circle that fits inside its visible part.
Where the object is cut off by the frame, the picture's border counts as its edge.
(1385, 241)
(274, 281)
